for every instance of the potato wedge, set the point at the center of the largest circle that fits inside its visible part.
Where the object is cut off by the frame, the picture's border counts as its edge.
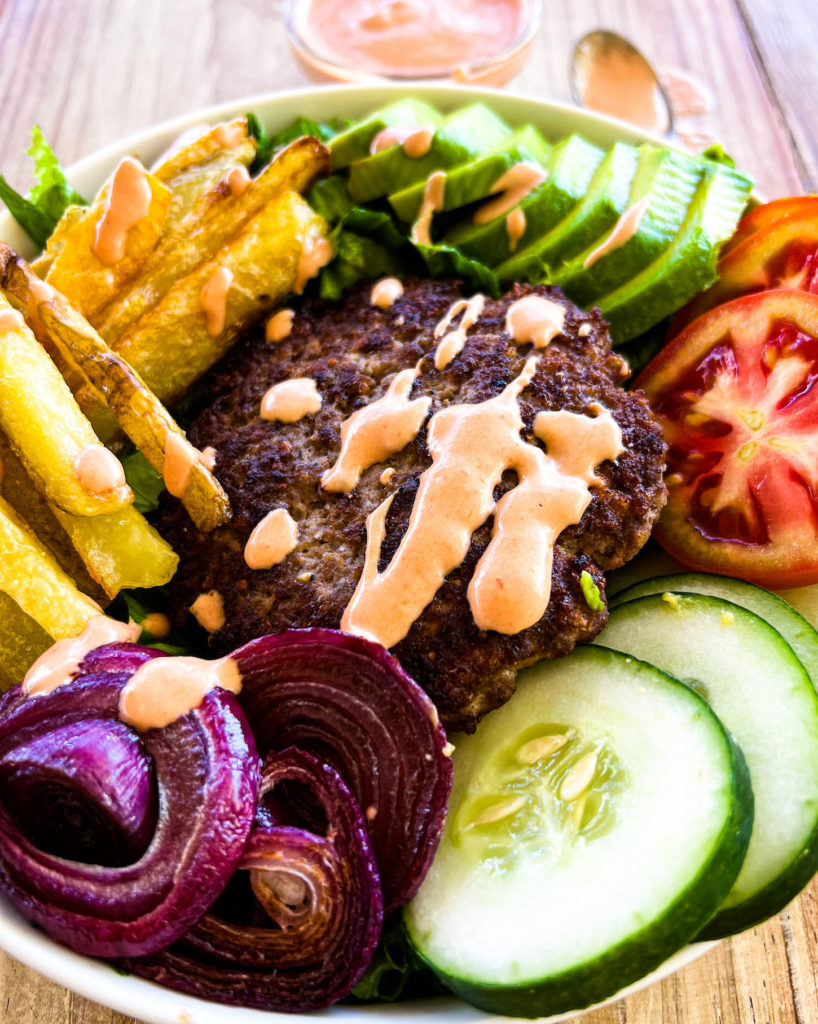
(217, 218)
(170, 346)
(22, 641)
(32, 578)
(42, 264)
(137, 410)
(45, 426)
(19, 491)
(77, 270)
(120, 550)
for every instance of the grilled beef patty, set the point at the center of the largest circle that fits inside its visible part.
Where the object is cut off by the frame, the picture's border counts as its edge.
(352, 350)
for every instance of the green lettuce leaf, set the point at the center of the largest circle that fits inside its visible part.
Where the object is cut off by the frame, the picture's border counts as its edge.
(446, 261)
(396, 972)
(144, 481)
(38, 213)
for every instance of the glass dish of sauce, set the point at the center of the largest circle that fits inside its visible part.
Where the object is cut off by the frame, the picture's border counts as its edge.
(481, 41)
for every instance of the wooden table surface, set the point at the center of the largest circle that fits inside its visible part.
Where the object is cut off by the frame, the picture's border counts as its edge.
(90, 71)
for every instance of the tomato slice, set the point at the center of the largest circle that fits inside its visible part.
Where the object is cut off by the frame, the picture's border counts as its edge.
(781, 253)
(767, 214)
(737, 396)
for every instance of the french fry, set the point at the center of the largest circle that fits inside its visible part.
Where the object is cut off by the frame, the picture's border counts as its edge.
(45, 426)
(170, 346)
(22, 641)
(31, 577)
(139, 412)
(56, 242)
(76, 269)
(210, 225)
(121, 550)
(19, 491)
(114, 551)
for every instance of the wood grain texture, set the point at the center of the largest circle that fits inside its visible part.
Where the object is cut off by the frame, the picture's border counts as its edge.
(91, 71)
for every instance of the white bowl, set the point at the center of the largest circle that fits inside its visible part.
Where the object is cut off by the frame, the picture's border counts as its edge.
(93, 978)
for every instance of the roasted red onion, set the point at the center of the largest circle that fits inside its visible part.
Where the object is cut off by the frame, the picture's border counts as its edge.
(314, 923)
(147, 830)
(349, 702)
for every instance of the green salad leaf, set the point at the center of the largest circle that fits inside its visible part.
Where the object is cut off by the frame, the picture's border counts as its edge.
(38, 213)
(143, 480)
(396, 972)
(137, 606)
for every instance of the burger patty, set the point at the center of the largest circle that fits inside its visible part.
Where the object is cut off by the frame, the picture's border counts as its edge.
(352, 350)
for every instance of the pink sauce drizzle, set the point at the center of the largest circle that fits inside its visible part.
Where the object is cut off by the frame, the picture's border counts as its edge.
(279, 326)
(625, 228)
(472, 445)
(271, 540)
(208, 610)
(165, 689)
(376, 431)
(415, 141)
(386, 292)
(238, 180)
(98, 470)
(127, 203)
(536, 319)
(11, 320)
(207, 457)
(180, 458)
(514, 185)
(157, 624)
(452, 344)
(60, 662)
(230, 135)
(434, 195)
(213, 298)
(316, 254)
(291, 400)
(515, 228)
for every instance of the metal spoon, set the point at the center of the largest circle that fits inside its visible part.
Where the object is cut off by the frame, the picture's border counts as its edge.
(607, 73)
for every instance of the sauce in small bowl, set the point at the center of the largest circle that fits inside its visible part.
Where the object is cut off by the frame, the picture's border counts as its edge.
(476, 41)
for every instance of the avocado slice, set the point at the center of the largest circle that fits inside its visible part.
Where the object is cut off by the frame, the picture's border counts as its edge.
(571, 168)
(353, 144)
(688, 265)
(476, 179)
(665, 183)
(463, 135)
(603, 204)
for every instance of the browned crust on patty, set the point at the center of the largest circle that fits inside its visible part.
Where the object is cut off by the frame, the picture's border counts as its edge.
(352, 350)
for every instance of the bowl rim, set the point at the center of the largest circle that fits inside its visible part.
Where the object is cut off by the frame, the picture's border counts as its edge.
(96, 979)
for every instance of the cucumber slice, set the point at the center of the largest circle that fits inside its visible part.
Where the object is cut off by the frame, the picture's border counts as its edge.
(353, 144)
(571, 169)
(603, 205)
(667, 181)
(688, 265)
(540, 900)
(463, 135)
(764, 696)
(475, 180)
(775, 611)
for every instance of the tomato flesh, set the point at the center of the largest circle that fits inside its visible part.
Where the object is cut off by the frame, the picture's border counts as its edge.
(781, 253)
(737, 396)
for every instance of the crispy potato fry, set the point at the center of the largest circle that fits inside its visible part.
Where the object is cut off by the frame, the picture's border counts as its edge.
(22, 641)
(19, 491)
(32, 578)
(106, 374)
(170, 346)
(80, 274)
(56, 242)
(210, 225)
(121, 550)
(44, 424)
